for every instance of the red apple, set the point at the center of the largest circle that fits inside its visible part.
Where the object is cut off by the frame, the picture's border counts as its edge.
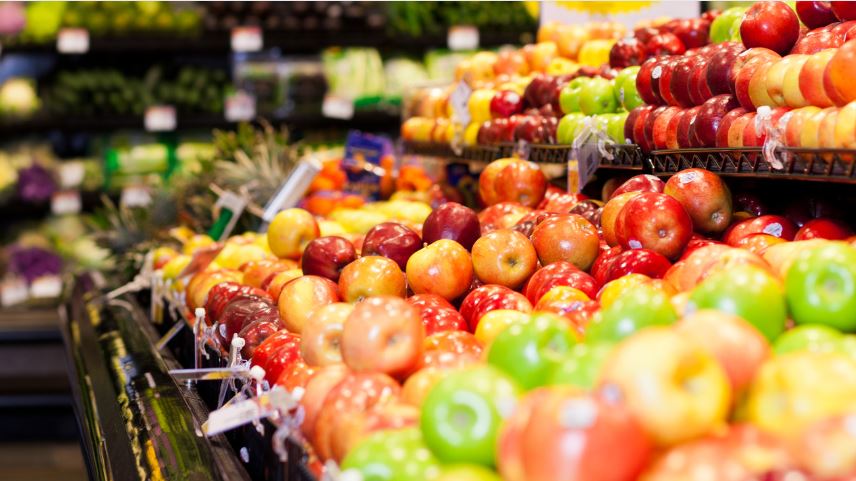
(660, 133)
(743, 70)
(770, 25)
(667, 70)
(371, 276)
(640, 183)
(719, 68)
(637, 261)
(222, 294)
(491, 297)
(242, 311)
(302, 296)
(320, 342)
(505, 257)
(443, 268)
(627, 52)
(566, 237)
(664, 44)
(693, 32)
(255, 272)
(685, 130)
(710, 116)
(610, 213)
(501, 216)
(394, 241)
(654, 221)
(506, 103)
(774, 225)
(725, 124)
(452, 221)
(327, 256)
(317, 388)
(672, 130)
(816, 14)
(600, 268)
(680, 80)
(521, 181)
(648, 81)
(450, 349)
(699, 90)
(635, 115)
(559, 274)
(704, 196)
(844, 10)
(638, 134)
(437, 314)
(383, 334)
(824, 229)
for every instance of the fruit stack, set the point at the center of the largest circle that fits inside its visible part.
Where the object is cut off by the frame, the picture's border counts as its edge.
(712, 96)
(668, 321)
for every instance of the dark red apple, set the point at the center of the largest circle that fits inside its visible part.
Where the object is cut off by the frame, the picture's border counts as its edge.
(692, 32)
(392, 240)
(540, 91)
(773, 225)
(665, 44)
(437, 314)
(699, 91)
(725, 124)
(648, 128)
(824, 229)
(816, 14)
(452, 221)
(327, 256)
(627, 52)
(640, 183)
(751, 203)
(645, 34)
(667, 72)
(681, 76)
(710, 116)
(843, 10)
(672, 130)
(685, 129)
(660, 132)
(633, 126)
(648, 81)
(718, 72)
(654, 221)
(770, 25)
(600, 268)
(506, 103)
(704, 196)
(637, 261)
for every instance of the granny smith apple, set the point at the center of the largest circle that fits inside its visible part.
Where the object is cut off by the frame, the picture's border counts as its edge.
(529, 352)
(581, 367)
(392, 455)
(809, 337)
(569, 96)
(625, 88)
(598, 97)
(467, 472)
(615, 127)
(820, 286)
(720, 28)
(568, 127)
(641, 307)
(747, 291)
(462, 414)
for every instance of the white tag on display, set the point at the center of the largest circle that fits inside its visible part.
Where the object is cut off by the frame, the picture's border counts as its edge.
(463, 37)
(160, 118)
(240, 106)
(13, 291)
(71, 174)
(46, 287)
(247, 39)
(66, 202)
(459, 99)
(336, 107)
(72, 40)
(135, 196)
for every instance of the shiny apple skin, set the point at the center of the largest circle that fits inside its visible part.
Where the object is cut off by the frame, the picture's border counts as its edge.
(654, 221)
(301, 296)
(504, 257)
(392, 240)
(371, 276)
(637, 261)
(327, 256)
(566, 237)
(452, 221)
(704, 196)
(437, 314)
(766, 224)
(443, 268)
(484, 299)
(321, 340)
(559, 274)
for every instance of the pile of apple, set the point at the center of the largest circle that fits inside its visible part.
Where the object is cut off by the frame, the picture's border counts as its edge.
(666, 332)
(708, 96)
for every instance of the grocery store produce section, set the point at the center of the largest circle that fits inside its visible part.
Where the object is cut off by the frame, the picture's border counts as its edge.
(617, 252)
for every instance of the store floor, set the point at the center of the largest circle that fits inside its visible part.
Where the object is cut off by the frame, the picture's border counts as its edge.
(39, 461)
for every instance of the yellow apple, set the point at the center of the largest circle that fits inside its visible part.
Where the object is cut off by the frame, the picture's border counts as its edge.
(494, 322)
(758, 93)
(595, 52)
(290, 231)
(845, 127)
(793, 96)
(479, 105)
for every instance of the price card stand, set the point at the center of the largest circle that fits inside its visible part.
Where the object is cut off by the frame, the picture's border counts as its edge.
(337, 107)
(247, 39)
(463, 37)
(772, 149)
(230, 207)
(160, 118)
(292, 190)
(460, 113)
(588, 148)
(72, 41)
(239, 107)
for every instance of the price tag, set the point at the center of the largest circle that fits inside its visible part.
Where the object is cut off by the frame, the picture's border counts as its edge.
(46, 287)
(66, 202)
(459, 99)
(160, 118)
(71, 174)
(13, 291)
(247, 39)
(463, 37)
(336, 107)
(135, 196)
(240, 106)
(72, 40)
(232, 416)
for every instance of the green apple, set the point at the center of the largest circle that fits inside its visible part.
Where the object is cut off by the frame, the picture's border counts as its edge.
(820, 286)
(808, 337)
(530, 352)
(467, 472)
(625, 88)
(720, 28)
(615, 127)
(598, 97)
(391, 455)
(569, 96)
(462, 414)
(568, 128)
(581, 367)
(747, 291)
(640, 307)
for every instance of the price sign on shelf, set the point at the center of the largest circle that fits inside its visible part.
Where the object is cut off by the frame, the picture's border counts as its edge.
(247, 39)
(463, 37)
(160, 118)
(66, 202)
(71, 174)
(72, 40)
(240, 106)
(459, 99)
(135, 196)
(336, 107)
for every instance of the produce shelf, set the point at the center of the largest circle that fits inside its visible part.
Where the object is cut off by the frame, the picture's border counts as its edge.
(835, 165)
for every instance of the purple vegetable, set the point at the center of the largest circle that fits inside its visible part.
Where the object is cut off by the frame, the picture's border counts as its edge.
(34, 262)
(35, 184)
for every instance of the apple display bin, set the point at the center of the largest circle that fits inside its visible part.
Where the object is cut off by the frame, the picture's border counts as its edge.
(136, 421)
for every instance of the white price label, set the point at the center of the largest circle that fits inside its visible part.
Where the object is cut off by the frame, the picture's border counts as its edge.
(71, 174)
(160, 118)
(72, 40)
(13, 291)
(232, 416)
(135, 196)
(463, 37)
(247, 39)
(336, 107)
(459, 99)
(240, 106)
(66, 202)
(49, 286)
